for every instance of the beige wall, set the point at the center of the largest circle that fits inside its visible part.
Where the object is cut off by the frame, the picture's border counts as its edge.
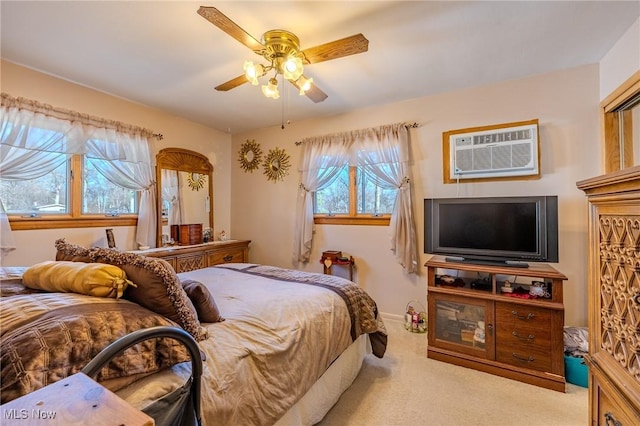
(36, 246)
(621, 62)
(566, 105)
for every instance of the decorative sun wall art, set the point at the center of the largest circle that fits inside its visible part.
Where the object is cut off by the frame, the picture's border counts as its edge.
(250, 155)
(196, 181)
(276, 164)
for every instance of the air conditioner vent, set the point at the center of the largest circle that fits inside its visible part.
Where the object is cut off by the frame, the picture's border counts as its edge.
(494, 153)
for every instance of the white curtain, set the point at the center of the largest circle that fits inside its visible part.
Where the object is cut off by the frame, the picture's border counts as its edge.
(383, 155)
(171, 194)
(125, 161)
(34, 143)
(321, 162)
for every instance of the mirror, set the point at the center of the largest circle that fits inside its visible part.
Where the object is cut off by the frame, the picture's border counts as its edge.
(184, 191)
(621, 124)
(250, 155)
(276, 164)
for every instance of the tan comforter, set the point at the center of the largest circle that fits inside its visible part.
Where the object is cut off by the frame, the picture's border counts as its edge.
(282, 330)
(279, 337)
(46, 337)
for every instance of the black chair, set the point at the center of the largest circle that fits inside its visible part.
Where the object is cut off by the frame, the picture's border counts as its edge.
(180, 407)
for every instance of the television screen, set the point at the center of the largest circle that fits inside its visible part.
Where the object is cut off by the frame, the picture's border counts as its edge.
(494, 229)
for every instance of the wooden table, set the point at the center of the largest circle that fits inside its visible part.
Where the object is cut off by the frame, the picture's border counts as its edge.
(75, 400)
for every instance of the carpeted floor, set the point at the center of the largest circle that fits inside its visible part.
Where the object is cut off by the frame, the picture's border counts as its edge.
(407, 388)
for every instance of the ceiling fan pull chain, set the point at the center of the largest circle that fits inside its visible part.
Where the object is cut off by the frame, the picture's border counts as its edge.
(285, 103)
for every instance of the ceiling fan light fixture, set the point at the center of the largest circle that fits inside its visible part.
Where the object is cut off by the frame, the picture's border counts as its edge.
(271, 90)
(253, 72)
(292, 68)
(304, 84)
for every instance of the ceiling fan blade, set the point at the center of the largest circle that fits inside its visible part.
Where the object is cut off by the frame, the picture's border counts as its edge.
(231, 84)
(337, 49)
(314, 93)
(221, 21)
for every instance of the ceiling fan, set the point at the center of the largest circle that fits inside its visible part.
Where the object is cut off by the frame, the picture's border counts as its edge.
(281, 49)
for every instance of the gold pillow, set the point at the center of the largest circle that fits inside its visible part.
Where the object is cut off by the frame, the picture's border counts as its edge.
(93, 279)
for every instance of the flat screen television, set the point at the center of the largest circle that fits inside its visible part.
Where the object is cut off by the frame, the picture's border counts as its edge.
(508, 231)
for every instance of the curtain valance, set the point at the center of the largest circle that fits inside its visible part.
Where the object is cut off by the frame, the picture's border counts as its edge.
(8, 101)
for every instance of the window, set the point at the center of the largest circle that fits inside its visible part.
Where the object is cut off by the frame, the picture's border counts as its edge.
(53, 200)
(353, 198)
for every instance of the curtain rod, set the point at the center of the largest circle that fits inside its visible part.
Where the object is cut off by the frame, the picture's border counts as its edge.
(412, 125)
(65, 114)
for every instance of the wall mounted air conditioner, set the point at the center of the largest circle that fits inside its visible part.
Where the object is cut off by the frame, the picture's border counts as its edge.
(494, 152)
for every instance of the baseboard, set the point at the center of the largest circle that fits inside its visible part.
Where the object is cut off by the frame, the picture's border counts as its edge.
(394, 317)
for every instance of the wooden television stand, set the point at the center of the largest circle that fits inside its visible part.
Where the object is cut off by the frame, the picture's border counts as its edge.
(473, 323)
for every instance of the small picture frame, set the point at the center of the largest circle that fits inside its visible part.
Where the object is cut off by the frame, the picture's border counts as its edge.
(111, 241)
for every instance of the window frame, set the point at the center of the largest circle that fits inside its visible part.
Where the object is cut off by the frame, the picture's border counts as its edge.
(352, 218)
(74, 218)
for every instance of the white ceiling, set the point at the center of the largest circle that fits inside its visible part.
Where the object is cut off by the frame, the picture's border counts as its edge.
(163, 54)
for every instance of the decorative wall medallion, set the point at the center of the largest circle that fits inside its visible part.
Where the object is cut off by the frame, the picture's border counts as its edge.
(276, 164)
(196, 180)
(250, 155)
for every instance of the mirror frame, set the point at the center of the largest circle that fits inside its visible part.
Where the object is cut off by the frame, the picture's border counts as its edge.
(182, 160)
(618, 153)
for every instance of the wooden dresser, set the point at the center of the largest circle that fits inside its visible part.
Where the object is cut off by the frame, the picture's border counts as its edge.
(614, 297)
(198, 256)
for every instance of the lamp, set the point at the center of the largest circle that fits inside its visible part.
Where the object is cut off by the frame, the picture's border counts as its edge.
(304, 84)
(282, 51)
(271, 90)
(253, 71)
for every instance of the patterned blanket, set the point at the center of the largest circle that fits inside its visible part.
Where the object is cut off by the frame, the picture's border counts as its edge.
(46, 337)
(363, 310)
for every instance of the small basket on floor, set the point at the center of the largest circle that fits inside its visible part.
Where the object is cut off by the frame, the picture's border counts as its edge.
(415, 318)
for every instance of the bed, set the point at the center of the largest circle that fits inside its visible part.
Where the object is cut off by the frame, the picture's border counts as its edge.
(286, 345)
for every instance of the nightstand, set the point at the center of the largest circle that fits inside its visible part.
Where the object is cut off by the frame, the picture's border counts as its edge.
(332, 257)
(75, 400)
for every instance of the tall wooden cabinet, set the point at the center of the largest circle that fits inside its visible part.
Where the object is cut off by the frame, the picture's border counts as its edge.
(614, 297)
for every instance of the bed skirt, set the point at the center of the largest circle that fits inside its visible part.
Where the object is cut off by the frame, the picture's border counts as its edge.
(325, 392)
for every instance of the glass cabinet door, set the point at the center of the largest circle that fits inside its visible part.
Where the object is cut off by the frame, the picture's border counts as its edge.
(461, 324)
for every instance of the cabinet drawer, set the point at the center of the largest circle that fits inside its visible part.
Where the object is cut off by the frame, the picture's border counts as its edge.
(525, 336)
(610, 413)
(532, 357)
(228, 256)
(189, 263)
(510, 314)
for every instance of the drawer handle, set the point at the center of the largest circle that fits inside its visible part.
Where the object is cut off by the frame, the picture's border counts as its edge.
(522, 317)
(521, 358)
(611, 420)
(228, 258)
(528, 338)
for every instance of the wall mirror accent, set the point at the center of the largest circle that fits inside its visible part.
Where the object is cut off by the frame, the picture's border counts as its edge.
(620, 121)
(184, 191)
(276, 164)
(196, 181)
(250, 155)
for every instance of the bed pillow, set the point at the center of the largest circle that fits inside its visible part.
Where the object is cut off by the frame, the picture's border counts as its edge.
(92, 279)
(157, 287)
(71, 252)
(203, 301)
